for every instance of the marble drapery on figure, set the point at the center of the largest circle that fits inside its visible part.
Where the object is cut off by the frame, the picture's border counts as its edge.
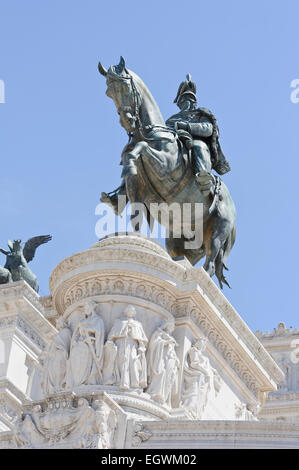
(201, 380)
(86, 354)
(125, 362)
(55, 361)
(163, 364)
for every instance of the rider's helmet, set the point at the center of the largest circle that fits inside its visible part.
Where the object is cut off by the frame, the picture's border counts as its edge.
(186, 89)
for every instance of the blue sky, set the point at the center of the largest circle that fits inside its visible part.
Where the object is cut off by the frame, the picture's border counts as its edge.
(60, 139)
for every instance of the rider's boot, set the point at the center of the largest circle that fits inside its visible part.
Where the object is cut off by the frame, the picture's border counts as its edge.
(203, 175)
(206, 181)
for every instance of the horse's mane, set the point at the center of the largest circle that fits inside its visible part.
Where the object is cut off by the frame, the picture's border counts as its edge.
(148, 102)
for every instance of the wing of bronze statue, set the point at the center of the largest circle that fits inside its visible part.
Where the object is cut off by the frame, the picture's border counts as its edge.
(32, 244)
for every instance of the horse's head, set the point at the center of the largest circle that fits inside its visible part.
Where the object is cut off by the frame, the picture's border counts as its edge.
(122, 89)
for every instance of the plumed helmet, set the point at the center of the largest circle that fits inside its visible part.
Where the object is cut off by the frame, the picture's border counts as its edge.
(186, 88)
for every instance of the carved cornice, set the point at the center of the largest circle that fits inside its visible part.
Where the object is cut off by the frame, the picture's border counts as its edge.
(12, 322)
(146, 405)
(130, 240)
(118, 251)
(30, 333)
(235, 360)
(218, 300)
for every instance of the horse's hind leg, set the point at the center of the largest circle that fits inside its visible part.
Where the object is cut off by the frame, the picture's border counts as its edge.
(222, 256)
(219, 265)
(212, 250)
(215, 248)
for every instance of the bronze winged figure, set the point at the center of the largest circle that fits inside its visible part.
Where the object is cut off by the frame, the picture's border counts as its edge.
(17, 259)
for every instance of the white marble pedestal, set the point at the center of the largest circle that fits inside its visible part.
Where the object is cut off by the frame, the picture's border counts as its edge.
(147, 352)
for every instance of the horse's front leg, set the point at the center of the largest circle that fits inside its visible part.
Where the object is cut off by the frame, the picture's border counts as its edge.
(131, 157)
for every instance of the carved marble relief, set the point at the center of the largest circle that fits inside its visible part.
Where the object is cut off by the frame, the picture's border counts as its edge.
(125, 352)
(163, 364)
(201, 380)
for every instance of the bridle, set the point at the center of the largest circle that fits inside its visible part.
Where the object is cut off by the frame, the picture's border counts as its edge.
(137, 100)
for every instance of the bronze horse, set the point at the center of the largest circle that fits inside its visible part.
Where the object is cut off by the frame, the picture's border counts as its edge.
(157, 170)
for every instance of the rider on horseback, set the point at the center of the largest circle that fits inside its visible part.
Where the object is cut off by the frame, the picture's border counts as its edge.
(198, 130)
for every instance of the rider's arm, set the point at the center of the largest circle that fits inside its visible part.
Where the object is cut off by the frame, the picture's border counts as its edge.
(201, 129)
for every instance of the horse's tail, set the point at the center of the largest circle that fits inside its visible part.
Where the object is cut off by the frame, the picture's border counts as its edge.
(220, 262)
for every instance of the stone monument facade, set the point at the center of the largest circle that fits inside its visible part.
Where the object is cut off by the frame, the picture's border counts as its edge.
(283, 345)
(132, 349)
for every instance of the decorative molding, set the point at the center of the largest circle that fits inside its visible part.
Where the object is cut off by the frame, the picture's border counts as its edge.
(8, 322)
(144, 404)
(150, 259)
(118, 284)
(213, 434)
(287, 396)
(15, 321)
(139, 241)
(219, 301)
(31, 334)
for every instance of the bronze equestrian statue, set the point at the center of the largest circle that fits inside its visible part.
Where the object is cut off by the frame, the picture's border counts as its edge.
(172, 162)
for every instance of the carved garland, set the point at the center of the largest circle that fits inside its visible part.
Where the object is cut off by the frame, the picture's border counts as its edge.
(116, 285)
